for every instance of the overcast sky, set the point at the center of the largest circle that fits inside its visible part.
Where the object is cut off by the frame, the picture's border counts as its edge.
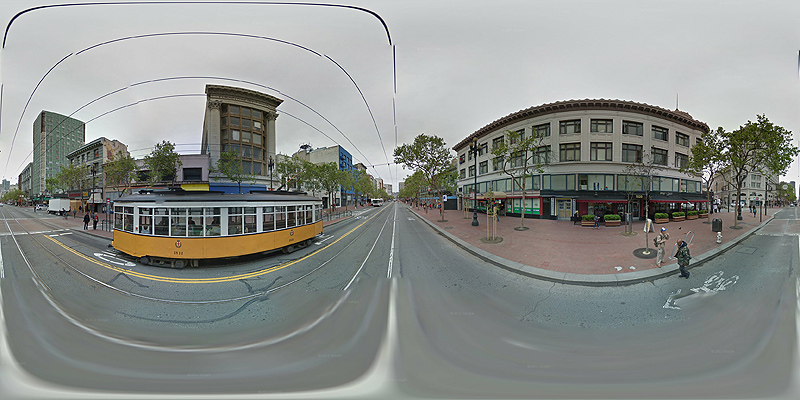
(459, 66)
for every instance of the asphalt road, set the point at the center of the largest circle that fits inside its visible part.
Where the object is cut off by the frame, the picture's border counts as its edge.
(383, 304)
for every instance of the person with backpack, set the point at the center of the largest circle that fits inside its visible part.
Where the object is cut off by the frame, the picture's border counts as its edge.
(683, 257)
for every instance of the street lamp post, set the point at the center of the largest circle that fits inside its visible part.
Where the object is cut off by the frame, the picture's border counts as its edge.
(271, 166)
(473, 148)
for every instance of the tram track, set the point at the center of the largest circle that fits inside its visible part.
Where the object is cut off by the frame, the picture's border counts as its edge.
(132, 274)
(145, 345)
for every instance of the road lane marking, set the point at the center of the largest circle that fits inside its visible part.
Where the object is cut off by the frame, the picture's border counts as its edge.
(367, 257)
(712, 285)
(114, 260)
(391, 251)
(232, 278)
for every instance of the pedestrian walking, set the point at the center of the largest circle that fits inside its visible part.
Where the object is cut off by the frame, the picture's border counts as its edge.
(596, 221)
(96, 219)
(755, 210)
(86, 221)
(661, 243)
(683, 257)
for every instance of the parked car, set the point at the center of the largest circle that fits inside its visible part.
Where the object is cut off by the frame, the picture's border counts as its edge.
(41, 207)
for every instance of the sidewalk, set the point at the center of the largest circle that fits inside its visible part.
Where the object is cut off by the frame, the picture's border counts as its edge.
(560, 251)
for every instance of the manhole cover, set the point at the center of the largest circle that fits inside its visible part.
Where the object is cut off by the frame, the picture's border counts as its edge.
(746, 250)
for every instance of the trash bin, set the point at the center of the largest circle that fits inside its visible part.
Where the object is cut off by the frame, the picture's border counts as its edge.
(716, 225)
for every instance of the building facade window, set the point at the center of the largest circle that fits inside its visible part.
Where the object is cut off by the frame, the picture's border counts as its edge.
(660, 133)
(595, 182)
(570, 152)
(681, 160)
(632, 183)
(463, 173)
(542, 155)
(681, 139)
(601, 126)
(471, 170)
(663, 184)
(193, 174)
(632, 128)
(483, 167)
(562, 182)
(497, 163)
(569, 126)
(520, 136)
(496, 142)
(600, 151)
(659, 156)
(541, 130)
(517, 159)
(483, 149)
(631, 153)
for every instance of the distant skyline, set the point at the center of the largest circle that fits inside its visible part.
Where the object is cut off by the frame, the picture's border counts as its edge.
(459, 66)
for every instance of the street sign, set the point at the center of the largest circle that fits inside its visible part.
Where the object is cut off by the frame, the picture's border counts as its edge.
(444, 198)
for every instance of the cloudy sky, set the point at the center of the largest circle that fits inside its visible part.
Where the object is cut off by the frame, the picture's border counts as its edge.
(459, 65)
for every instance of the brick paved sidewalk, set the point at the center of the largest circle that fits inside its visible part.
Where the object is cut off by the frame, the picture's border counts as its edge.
(561, 246)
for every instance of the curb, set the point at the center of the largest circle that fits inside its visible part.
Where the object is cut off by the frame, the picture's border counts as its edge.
(628, 278)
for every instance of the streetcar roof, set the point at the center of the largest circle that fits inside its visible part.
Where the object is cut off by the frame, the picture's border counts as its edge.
(213, 197)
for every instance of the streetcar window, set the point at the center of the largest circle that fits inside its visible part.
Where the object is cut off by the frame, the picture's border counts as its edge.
(161, 221)
(249, 223)
(212, 226)
(269, 219)
(195, 211)
(234, 220)
(318, 212)
(309, 214)
(212, 221)
(145, 211)
(178, 226)
(291, 217)
(118, 209)
(128, 221)
(118, 220)
(145, 223)
(280, 217)
(128, 210)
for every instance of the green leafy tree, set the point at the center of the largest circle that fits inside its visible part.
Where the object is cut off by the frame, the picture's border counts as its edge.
(785, 192)
(363, 186)
(120, 172)
(756, 146)
(413, 186)
(230, 167)
(429, 155)
(52, 185)
(518, 157)
(706, 161)
(73, 177)
(328, 177)
(13, 195)
(163, 163)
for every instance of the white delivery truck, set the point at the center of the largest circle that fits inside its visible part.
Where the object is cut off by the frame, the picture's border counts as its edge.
(57, 205)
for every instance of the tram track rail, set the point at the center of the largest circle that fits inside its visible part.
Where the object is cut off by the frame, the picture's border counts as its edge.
(40, 282)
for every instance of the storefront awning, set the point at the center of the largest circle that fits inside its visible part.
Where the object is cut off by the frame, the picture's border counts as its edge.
(601, 201)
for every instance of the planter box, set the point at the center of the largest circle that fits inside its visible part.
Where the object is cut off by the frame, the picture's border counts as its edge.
(702, 215)
(613, 223)
(678, 219)
(587, 223)
(662, 220)
(691, 217)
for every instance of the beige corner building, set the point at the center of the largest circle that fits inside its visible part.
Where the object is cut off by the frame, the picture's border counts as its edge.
(242, 121)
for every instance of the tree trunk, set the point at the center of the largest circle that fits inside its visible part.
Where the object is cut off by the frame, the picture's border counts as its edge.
(522, 214)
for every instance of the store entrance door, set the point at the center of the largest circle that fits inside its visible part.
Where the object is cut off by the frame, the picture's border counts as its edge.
(564, 208)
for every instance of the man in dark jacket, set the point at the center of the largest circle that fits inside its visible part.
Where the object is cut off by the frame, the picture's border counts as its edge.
(683, 257)
(86, 221)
